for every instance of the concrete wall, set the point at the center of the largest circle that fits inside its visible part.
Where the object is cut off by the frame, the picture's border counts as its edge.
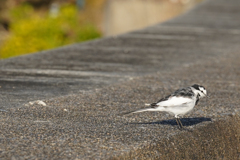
(121, 16)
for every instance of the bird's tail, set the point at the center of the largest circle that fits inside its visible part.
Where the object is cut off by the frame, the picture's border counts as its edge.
(140, 110)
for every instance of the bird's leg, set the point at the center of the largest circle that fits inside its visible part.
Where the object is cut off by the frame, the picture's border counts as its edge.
(181, 126)
(180, 122)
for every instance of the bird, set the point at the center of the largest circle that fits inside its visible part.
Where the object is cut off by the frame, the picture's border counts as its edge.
(179, 103)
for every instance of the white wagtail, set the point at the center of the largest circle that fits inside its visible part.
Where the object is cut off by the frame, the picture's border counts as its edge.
(178, 103)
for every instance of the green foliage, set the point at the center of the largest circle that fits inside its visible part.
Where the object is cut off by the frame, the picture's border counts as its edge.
(32, 31)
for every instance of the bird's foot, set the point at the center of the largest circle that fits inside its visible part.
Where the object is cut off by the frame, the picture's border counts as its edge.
(185, 129)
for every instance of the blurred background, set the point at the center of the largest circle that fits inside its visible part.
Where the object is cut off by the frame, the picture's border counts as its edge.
(28, 26)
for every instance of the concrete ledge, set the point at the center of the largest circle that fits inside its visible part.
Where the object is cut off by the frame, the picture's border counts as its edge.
(219, 140)
(83, 88)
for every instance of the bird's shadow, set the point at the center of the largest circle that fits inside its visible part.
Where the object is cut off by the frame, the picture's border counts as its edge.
(185, 121)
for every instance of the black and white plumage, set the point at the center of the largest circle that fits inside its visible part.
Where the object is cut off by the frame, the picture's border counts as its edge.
(179, 102)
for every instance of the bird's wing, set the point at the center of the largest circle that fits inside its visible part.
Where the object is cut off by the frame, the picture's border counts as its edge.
(178, 96)
(174, 101)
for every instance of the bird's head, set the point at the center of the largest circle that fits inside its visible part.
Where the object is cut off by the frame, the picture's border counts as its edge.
(198, 89)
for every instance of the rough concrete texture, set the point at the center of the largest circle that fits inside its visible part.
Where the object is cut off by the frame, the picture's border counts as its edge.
(134, 69)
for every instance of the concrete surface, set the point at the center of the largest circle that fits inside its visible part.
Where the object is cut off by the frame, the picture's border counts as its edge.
(86, 86)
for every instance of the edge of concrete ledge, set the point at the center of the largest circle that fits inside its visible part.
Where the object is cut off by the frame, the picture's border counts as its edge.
(218, 140)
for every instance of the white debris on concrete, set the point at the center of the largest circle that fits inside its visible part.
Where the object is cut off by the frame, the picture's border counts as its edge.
(39, 102)
(147, 104)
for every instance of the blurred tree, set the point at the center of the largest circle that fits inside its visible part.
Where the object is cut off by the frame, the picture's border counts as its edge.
(33, 31)
(38, 3)
(80, 3)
